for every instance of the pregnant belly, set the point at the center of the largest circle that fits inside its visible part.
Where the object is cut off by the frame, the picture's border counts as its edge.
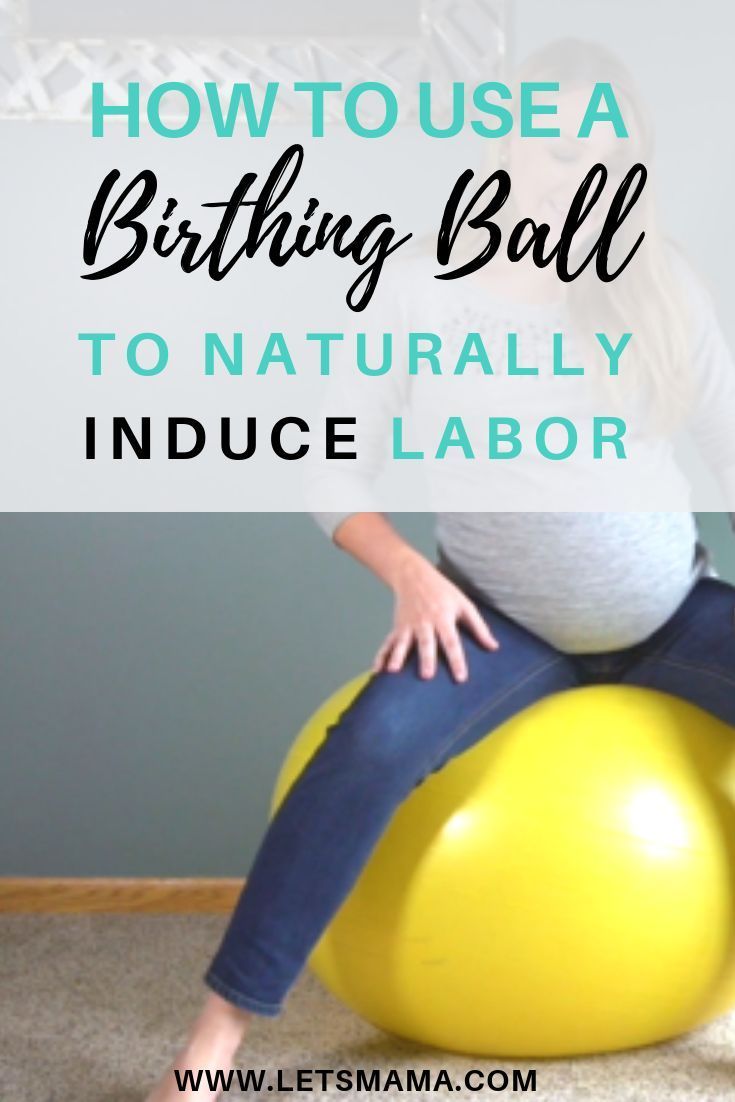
(586, 583)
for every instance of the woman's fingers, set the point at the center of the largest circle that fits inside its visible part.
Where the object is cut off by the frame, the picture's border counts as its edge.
(428, 636)
(478, 627)
(401, 647)
(383, 652)
(454, 651)
(426, 640)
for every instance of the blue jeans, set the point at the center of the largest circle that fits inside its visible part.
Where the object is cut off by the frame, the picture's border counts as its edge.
(400, 729)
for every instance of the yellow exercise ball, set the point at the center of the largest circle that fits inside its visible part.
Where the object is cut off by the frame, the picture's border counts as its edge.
(566, 886)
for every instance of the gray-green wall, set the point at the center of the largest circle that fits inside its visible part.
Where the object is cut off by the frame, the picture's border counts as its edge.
(155, 669)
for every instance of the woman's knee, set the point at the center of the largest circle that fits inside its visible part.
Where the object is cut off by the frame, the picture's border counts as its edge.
(395, 731)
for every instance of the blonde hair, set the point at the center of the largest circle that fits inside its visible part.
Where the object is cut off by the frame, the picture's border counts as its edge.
(647, 300)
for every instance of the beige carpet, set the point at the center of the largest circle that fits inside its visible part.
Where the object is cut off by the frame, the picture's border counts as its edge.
(92, 1007)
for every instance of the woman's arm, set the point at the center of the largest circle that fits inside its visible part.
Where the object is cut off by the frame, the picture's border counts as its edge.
(428, 607)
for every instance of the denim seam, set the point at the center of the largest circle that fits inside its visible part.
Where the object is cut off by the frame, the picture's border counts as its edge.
(487, 709)
(241, 1000)
(691, 667)
(656, 654)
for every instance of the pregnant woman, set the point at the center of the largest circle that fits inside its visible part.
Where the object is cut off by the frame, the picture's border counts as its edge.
(518, 605)
(582, 599)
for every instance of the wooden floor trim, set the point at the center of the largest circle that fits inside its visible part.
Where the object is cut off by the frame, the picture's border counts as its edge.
(104, 895)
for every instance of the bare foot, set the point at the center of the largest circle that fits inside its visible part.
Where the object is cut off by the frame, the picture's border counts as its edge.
(211, 1048)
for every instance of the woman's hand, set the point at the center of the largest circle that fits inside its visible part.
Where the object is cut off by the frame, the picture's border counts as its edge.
(428, 610)
(428, 606)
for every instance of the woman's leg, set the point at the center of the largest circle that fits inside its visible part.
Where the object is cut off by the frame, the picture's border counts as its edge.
(693, 656)
(398, 730)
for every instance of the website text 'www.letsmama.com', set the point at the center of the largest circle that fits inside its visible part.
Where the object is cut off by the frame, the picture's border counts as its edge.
(319, 1080)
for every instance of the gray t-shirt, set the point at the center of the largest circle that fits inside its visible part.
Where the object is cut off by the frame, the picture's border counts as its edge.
(585, 582)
